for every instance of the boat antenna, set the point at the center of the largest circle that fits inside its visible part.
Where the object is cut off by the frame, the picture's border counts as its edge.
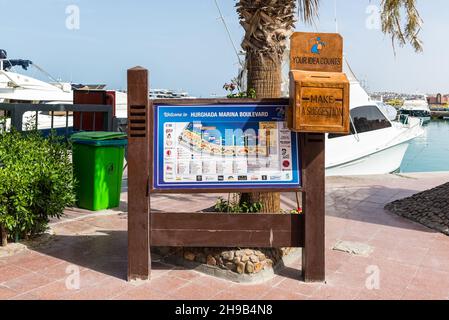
(228, 33)
(336, 16)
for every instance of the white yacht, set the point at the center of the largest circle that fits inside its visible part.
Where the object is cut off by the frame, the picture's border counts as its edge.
(16, 87)
(169, 94)
(376, 144)
(417, 108)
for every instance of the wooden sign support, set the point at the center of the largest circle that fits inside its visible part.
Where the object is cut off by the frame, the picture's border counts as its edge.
(139, 165)
(147, 228)
(313, 201)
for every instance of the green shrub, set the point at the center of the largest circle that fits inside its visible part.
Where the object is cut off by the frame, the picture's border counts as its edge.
(36, 182)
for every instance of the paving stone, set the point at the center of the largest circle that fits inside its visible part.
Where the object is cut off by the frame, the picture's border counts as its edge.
(412, 261)
(355, 248)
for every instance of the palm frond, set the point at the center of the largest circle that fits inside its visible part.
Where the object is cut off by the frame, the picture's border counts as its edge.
(402, 32)
(308, 10)
(269, 23)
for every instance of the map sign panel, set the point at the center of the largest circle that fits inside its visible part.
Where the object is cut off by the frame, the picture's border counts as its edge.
(224, 146)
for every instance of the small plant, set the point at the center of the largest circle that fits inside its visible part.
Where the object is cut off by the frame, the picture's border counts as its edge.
(233, 85)
(235, 207)
(230, 87)
(252, 207)
(221, 205)
(293, 211)
(296, 211)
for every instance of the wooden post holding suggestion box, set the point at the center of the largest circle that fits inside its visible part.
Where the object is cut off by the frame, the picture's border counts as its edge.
(319, 104)
(158, 127)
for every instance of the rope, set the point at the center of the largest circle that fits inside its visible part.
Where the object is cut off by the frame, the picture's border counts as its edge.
(228, 33)
(47, 74)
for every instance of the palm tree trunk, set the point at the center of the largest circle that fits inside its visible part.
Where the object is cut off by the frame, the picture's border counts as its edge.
(268, 25)
(271, 201)
(264, 75)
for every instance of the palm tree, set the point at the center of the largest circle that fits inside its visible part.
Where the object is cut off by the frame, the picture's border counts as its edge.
(268, 25)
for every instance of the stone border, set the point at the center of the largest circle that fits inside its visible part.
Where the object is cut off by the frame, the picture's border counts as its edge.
(428, 208)
(256, 278)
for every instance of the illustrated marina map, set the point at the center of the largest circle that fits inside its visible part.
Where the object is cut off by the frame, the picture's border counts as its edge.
(219, 147)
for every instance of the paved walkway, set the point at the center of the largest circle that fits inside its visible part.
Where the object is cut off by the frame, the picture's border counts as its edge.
(408, 261)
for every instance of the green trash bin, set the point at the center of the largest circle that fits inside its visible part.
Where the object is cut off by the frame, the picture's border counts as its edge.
(98, 168)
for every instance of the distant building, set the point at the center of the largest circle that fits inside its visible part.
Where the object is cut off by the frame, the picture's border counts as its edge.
(438, 99)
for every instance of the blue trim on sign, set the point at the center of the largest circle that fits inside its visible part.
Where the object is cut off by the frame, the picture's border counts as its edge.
(273, 115)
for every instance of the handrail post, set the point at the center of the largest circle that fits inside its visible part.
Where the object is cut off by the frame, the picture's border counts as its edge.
(109, 117)
(16, 119)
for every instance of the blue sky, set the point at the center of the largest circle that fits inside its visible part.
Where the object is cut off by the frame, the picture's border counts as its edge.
(185, 46)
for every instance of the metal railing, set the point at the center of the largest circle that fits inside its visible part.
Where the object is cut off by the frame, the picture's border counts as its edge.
(16, 112)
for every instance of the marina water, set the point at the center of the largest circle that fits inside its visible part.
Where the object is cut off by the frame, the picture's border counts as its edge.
(430, 152)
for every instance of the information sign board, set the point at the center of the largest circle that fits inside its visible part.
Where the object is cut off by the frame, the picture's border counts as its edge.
(224, 146)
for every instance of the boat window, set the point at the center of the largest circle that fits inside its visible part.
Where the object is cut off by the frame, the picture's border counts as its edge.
(369, 118)
(417, 113)
(366, 118)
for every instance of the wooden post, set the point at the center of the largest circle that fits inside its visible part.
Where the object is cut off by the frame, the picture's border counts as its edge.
(313, 253)
(139, 128)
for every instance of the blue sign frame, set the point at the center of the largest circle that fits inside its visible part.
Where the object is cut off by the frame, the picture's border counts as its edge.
(205, 126)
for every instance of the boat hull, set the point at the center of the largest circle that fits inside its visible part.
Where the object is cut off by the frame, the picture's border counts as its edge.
(386, 161)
